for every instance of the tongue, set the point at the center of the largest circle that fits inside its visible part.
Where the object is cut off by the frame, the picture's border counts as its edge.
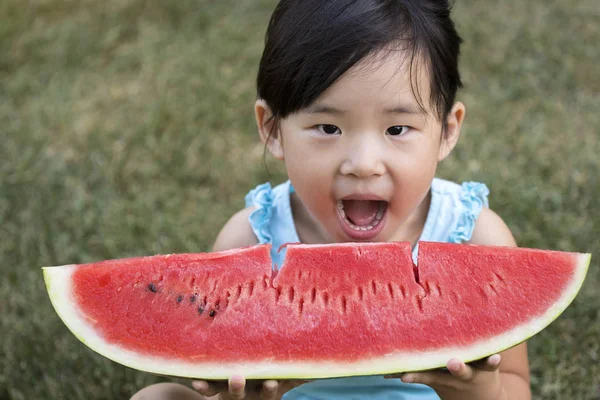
(361, 212)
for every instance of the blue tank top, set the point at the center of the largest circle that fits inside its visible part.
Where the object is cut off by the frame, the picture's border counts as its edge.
(451, 218)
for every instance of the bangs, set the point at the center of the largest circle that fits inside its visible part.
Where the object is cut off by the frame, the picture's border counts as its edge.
(310, 44)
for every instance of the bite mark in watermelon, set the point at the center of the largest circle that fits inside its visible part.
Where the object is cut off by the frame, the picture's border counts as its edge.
(332, 310)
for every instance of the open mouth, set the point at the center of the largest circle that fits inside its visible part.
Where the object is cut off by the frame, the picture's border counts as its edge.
(362, 219)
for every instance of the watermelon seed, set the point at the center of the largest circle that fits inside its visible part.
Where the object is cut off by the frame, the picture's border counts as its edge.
(215, 283)
(361, 293)
(326, 298)
(344, 304)
(420, 303)
(238, 292)
(439, 289)
(301, 305)
(200, 310)
(152, 287)
(212, 313)
(493, 288)
(483, 293)
(313, 295)
(251, 288)
(192, 281)
(193, 298)
(390, 289)
(403, 291)
(277, 294)
(500, 278)
(179, 299)
(300, 274)
(374, 287)
(291, 294)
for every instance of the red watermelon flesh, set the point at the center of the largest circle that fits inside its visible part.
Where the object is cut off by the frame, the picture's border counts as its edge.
(332, 310)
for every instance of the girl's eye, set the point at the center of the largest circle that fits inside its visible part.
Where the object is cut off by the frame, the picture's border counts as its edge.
(398, 130)
(328, 129)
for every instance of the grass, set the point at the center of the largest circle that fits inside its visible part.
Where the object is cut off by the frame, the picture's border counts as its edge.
(127, 129)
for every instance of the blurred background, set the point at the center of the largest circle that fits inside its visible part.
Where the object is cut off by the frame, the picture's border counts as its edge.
(126, 128)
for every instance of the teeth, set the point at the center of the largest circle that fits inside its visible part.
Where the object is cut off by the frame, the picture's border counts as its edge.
(378, 217)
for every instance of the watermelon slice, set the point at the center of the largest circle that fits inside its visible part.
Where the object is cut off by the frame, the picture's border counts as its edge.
(331, 311)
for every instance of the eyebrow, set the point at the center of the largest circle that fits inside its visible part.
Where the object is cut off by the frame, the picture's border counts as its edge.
(325, 109)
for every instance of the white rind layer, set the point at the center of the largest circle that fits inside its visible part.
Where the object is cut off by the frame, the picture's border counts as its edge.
(58, 282)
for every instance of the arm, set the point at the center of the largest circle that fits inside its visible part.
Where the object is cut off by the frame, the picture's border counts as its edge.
(237, 232)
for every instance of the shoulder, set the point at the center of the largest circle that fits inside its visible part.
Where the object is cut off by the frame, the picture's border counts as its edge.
(237, 232)
(490, 229)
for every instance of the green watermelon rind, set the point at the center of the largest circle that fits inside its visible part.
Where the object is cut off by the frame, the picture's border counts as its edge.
(58, 286)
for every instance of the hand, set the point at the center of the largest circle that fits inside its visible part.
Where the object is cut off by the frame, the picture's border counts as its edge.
(477, 380)
(238, 389)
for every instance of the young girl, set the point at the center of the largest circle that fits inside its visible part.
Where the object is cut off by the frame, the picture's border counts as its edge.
(357, 98)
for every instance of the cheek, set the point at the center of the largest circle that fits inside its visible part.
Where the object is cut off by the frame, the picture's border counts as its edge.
(309, 176)
(306, 161)
(416, 160)
(413, 173)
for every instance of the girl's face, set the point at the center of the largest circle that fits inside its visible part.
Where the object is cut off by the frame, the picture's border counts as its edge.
(363, 155)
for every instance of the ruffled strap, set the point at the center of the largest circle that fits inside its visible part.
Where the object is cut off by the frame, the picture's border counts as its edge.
(473, 197)
(261, 198)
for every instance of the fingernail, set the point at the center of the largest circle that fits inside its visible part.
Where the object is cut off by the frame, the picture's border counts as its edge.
(495, 359)
(237, 382)
(454, 365)
(407, 378)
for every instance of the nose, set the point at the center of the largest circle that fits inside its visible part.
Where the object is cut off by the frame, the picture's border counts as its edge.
(364, 159)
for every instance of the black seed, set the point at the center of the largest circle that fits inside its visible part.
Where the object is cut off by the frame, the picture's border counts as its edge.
(179, 299)
(200, 310)
(212, 313)
(152, 287)
(193, 298)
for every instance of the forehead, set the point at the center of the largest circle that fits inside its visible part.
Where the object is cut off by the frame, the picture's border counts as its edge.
(384, 79)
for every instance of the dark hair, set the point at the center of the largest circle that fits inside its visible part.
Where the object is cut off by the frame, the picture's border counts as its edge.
(310, 44)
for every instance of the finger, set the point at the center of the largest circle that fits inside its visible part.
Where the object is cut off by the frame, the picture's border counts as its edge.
(237, 387)
(430, 378)
(490, 363)
(460, 370)
(209, 389)
(269, 390)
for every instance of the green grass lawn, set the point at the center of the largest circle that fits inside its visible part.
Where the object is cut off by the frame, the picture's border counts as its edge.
(126, 128)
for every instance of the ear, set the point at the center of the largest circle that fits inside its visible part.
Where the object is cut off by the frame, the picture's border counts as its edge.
(269, 133)
(452, 133)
